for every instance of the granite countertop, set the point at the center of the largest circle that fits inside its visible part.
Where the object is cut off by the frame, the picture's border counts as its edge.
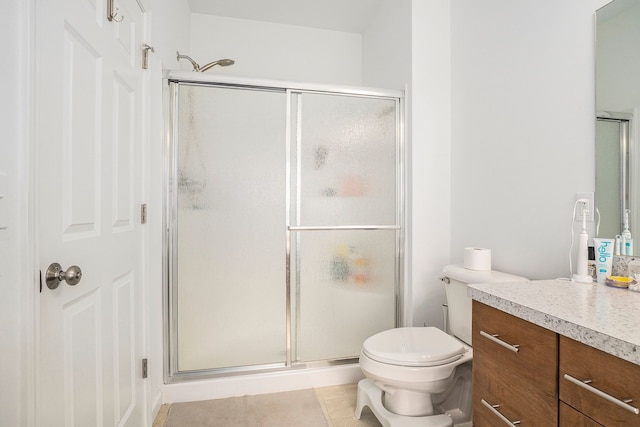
(594, 314)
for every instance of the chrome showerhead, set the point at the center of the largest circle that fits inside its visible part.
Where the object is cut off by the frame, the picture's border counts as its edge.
(220, 62)
(198, 68)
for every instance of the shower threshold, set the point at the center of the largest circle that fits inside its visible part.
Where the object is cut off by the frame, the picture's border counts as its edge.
(201, 374)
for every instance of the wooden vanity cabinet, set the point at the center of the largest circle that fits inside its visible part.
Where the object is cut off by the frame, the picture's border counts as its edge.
(515, 367)
(571, 418)
(604, 388)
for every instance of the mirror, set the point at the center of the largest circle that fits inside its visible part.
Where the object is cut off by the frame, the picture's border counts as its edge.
(617, 118)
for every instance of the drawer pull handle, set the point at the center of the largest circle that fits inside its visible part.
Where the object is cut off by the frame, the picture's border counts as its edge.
(493, 408)
(513, 347)
(585, 385)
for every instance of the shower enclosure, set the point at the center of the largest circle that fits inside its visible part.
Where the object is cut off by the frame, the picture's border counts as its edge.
(283, 223)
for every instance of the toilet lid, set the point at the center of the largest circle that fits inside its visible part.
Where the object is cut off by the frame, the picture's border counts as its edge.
(417, 346)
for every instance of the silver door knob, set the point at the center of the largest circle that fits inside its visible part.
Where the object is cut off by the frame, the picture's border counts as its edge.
(55, 275)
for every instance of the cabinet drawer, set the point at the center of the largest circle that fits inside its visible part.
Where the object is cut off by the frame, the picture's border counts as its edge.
(571, 417)
(517, 400)
(536, 360)
(608, 375)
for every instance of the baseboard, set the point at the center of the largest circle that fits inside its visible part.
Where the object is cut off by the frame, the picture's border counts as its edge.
(252, 384)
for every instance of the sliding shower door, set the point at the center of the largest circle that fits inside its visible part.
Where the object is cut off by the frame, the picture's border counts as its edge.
(344, 222)
(283, 226)
(229, 209)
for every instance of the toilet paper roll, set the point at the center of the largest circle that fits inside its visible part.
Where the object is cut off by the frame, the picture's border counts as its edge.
(477, 259)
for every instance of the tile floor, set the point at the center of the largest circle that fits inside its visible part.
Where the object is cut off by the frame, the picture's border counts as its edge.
(322, 407)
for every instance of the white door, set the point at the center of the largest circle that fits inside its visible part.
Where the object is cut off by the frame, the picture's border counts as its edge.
(88, 124)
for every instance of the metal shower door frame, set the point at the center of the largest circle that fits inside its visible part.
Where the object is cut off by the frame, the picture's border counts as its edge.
(171, 82)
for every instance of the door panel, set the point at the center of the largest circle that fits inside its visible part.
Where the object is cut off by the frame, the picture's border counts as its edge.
(124, 327)
(88, 118)
(229, 175)
(345, 217)
(82, 363)
(80, 144)
(123, 154)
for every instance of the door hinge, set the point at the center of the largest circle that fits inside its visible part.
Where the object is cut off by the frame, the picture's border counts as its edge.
(145, 372)
(145, 55)
(143, 213)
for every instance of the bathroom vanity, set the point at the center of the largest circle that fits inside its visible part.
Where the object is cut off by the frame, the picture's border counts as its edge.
(552, 352)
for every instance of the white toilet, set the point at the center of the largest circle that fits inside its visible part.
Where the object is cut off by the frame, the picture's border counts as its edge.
(421, 376)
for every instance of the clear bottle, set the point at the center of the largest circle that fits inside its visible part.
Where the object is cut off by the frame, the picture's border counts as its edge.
(627, 240)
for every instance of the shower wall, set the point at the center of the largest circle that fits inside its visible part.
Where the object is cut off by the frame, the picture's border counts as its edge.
(284, 225)
(277, 51)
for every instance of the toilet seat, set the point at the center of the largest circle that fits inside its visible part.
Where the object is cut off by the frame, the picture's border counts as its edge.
(413, 346)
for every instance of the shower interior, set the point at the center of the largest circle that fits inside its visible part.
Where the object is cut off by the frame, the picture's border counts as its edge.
(283, 219)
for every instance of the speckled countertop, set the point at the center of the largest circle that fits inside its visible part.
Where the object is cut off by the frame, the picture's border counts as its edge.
(595, 314)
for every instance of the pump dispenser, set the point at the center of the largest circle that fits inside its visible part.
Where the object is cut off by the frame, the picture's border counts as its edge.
(582, 275)
(627, 240)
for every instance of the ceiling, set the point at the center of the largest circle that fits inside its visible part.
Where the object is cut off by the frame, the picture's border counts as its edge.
(338, 15)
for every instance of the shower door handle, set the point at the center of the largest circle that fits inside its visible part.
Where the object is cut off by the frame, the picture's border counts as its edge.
(55, 275)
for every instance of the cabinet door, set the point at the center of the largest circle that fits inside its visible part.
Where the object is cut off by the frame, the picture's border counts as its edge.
(508, 396)
(588, 374)
(536, 359)
(514, 370)
(571, 417)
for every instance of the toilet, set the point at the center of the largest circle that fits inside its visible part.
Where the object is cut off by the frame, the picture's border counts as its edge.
(421, 376)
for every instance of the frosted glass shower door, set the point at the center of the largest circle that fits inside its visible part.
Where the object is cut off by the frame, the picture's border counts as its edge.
(345, 222)
(228, 227)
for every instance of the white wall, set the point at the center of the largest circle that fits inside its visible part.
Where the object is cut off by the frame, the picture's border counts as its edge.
(522, 130)
(276, 51)
(386, 46)
(15, 272)
(431, 156)
(170, 23)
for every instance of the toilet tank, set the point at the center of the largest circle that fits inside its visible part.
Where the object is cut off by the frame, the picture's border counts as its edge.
(456, 278)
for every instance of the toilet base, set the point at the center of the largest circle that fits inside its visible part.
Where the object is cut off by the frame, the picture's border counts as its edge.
(371, 396)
